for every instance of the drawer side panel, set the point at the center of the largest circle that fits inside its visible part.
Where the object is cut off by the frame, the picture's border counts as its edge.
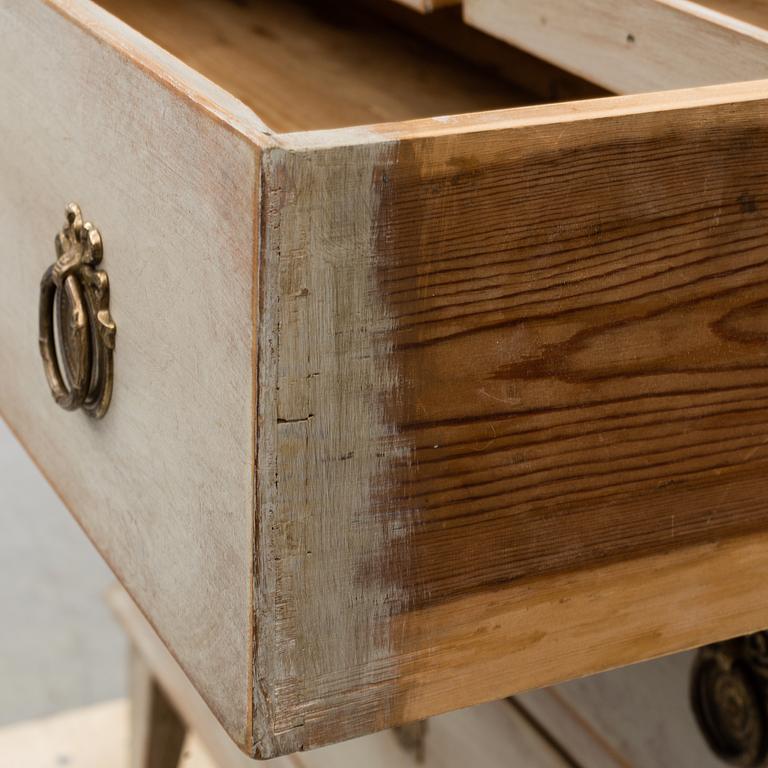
(163, 485)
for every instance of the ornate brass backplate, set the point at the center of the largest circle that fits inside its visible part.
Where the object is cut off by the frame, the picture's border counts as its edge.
(74, 300)
(729, 695)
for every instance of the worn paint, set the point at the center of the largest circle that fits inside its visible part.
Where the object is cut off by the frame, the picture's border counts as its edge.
(326, 450)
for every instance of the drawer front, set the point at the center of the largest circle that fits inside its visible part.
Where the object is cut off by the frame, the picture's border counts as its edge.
(162, 484)
(516, 414)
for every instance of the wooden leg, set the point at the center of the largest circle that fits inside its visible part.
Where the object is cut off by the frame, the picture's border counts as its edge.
(157, 731)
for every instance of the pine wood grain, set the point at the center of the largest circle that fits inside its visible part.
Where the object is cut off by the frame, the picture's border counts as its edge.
(524, 388)
(629, 46)
(301, 66)
(592, 358)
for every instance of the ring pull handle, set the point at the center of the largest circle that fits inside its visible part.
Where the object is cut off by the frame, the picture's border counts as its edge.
(77, 333)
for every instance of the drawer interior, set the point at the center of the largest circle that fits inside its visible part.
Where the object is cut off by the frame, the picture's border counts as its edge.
(303, 65)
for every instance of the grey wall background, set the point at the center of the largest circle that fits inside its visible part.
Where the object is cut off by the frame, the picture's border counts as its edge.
(59, 646)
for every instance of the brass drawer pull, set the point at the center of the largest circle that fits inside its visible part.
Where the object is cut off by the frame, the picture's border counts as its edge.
(74, 306)
(729, 696)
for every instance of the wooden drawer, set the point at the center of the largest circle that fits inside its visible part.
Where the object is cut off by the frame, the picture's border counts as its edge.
(408, 416)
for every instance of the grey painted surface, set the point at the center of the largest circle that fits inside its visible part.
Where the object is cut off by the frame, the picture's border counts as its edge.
(59, 646)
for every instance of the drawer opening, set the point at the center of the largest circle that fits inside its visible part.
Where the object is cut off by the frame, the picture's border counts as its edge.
(303, 65)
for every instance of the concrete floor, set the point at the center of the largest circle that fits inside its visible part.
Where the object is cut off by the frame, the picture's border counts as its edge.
(59, 647)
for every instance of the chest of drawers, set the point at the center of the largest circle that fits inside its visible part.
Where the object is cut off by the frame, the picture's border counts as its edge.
(405, 417)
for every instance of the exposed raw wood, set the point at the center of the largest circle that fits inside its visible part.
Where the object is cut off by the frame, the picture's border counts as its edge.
(158, 159)
(300, 67)
(157, 731)
(637, 716)
(528, 404)
(629, 46)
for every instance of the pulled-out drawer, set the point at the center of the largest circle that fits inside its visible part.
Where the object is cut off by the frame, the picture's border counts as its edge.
(404, 417)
